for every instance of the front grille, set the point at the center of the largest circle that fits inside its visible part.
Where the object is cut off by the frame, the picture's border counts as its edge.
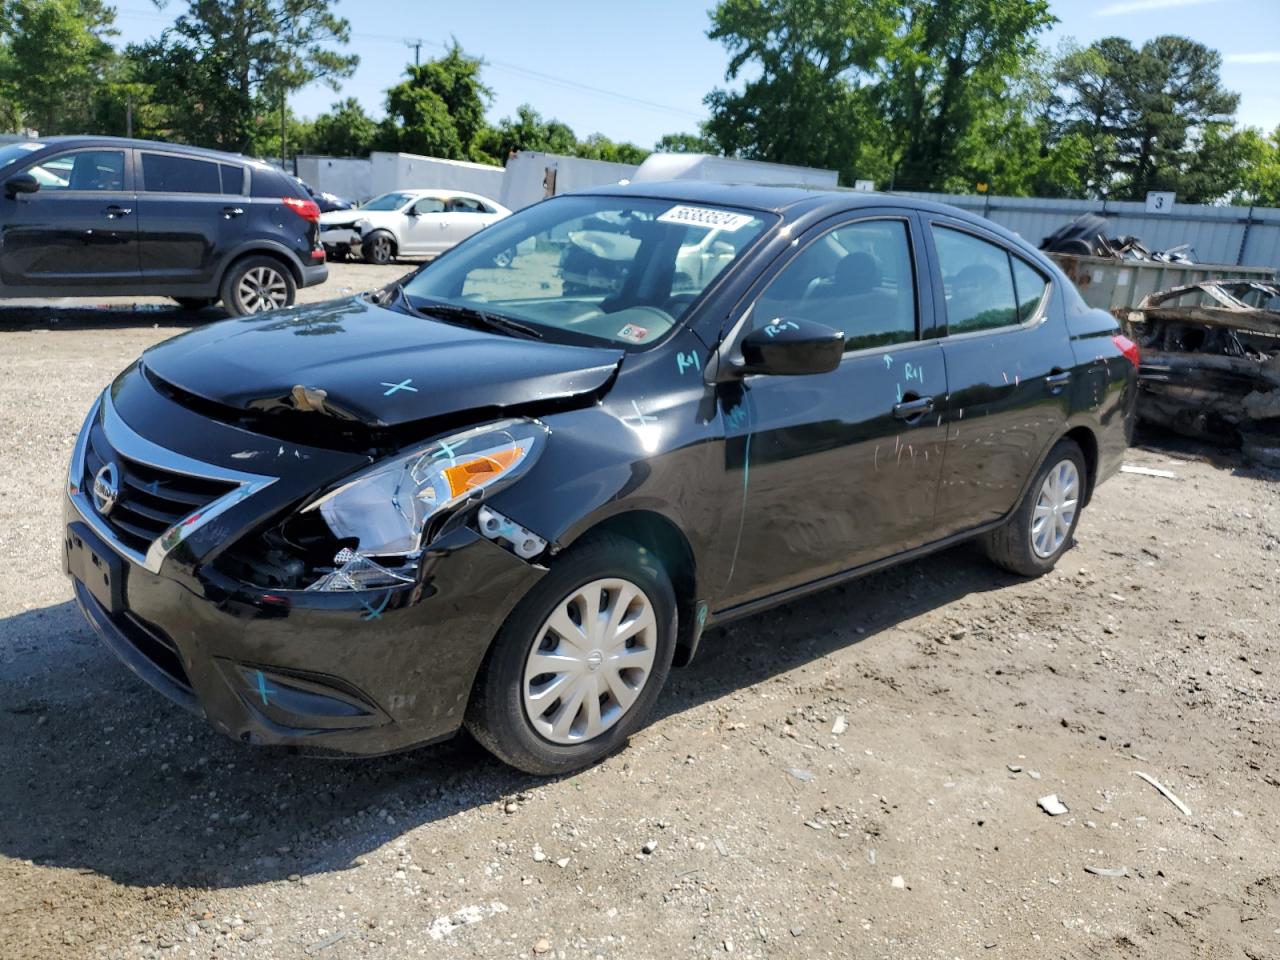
(151, 499)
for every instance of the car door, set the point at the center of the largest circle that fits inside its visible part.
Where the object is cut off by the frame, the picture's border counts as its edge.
(462, 217)
(838, 469)
(191, 210)
(424, 227)
(1009, 364)
(79, 229)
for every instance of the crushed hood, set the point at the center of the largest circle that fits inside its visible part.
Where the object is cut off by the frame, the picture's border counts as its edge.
(355, 361)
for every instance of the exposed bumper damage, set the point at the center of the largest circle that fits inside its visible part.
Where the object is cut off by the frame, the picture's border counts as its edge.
(1211, 363)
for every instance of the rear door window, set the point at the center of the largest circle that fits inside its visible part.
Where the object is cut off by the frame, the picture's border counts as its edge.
(1030, 285)
(857, 278)
(977, 279)
(465, 205)
(164, 173)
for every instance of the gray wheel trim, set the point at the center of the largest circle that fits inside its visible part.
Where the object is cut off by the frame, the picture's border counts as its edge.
(1055, 508)
(262, 288)
(381, 247)
(589, 661)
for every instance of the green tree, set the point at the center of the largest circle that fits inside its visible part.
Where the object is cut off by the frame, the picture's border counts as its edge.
(1149, 115)
(221, 71)
(345, 131)
(947, 62)
(806, 98)
(527, 130)
(686, 143)
(55, 63)
(599, 147)
(1260, 168)
(439, 109)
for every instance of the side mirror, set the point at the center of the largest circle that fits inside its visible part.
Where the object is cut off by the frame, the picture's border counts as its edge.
(792, 348)
(413, 211)
(20, 183)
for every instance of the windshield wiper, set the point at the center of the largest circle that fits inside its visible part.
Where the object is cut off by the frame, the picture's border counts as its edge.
(475, 317)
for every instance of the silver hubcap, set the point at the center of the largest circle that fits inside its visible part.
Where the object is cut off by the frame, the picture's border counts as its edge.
(1055, 509)
(381, 249)
(262, 288)
(589, 661)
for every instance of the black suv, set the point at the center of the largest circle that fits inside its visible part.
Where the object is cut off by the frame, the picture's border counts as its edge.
(98, 216)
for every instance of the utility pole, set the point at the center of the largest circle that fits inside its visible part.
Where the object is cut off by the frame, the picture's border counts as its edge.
(282, 130)
(416, 46)
(128, 116)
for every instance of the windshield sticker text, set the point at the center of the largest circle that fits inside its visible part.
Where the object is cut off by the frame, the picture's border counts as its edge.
(633, 333)
(706, 217)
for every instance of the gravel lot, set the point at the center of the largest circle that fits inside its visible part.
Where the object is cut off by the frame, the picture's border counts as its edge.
(853, 774)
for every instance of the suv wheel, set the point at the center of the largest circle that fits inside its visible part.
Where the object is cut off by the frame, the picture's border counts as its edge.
(379, 247)
(580, 661)
(1041, 528)
(257, 284)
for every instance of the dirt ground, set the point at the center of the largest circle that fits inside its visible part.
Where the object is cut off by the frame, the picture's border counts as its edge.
(855, 774)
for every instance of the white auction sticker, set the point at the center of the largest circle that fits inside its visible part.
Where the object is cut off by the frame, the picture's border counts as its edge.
(706, 217)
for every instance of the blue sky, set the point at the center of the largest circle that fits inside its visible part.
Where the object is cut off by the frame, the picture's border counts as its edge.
(636, 70)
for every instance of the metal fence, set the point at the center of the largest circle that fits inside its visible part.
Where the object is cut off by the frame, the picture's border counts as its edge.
(1242, 236)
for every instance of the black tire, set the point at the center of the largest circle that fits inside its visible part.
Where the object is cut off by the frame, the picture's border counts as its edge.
(1010, 546)
(379, 248)
(195, 303)
(496, 715)
(266, 274)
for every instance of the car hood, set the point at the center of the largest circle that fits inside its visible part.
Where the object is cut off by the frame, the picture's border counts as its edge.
(356, 361)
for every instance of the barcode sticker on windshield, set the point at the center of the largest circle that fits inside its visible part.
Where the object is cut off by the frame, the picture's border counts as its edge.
(706, 217)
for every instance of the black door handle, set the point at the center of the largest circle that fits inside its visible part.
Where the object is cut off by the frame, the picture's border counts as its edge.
(1056, 381)
(114, 212)
(229, 213)
(913, 409)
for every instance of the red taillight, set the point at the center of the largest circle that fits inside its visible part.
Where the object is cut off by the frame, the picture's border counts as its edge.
(1128, 348)
(306, 209)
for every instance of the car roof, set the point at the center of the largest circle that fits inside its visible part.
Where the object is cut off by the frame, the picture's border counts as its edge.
(88, 141)
(793, 201)
(440, 194)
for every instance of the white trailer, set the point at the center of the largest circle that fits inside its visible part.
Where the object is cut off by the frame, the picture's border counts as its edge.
(533, 176)
(349, 177)
(409, 171)
(703, 166)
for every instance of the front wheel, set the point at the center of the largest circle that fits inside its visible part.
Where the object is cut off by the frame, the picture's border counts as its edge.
(579, 663)
(256, 285)
(379, 248)
(1037, 535)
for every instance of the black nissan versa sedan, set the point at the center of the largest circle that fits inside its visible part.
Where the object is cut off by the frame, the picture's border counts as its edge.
(474, 498)
(100, 216)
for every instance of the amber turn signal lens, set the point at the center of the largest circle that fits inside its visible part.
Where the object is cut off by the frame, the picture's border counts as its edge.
(472, 473)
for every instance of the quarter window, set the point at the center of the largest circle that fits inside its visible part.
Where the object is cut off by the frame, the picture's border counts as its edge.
(465, 205)
(1030, 285)
(162, 173)
(857, 279)
(977, 279)
(82, 170)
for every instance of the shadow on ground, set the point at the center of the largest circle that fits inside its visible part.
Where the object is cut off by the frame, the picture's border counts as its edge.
(90, 316)
(102, 774)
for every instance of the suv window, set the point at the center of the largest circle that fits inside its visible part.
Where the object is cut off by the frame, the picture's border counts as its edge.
(977, 279)
(857, 278)
(162, 173)
(429, 205)
(81, 170)
(1030, 285)
(232, 179)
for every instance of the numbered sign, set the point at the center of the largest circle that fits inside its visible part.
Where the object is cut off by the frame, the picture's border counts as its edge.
(1160, 201)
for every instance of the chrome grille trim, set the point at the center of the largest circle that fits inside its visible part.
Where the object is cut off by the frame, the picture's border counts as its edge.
(132, 446)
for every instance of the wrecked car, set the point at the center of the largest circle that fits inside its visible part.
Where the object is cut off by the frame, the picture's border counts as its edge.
(1211, 363)
(482, 497)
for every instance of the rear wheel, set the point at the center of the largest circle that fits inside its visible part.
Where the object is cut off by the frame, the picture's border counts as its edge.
(1041, 528)
(379, 247)
(257, 284)
(580, 661)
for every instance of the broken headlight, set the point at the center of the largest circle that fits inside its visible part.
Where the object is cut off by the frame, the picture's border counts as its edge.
(387, 509)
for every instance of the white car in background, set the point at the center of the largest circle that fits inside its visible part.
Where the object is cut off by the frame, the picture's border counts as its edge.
(410, 223)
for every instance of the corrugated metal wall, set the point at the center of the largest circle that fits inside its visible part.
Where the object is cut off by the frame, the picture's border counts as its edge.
(1245, 236)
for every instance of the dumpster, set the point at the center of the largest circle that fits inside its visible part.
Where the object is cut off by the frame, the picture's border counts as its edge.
(1120, 285)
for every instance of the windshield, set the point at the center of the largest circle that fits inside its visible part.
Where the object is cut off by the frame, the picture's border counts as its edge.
(388, 201)
(11, 153)
(591, 269)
